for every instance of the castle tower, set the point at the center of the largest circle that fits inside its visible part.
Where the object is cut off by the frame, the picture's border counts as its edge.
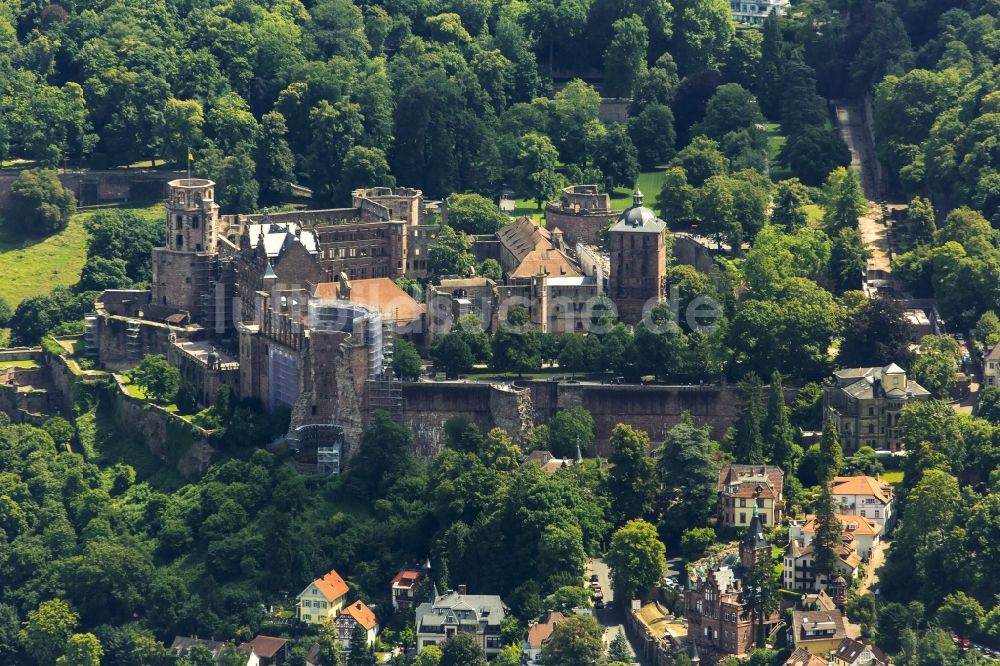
(754, 543)
(638, 260)
(183, 269)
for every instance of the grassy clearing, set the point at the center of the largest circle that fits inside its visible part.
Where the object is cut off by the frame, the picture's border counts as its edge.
(815, 213)
(649, 182)
(32, 267)
(775, 142)
(19, 364)
(895, 477)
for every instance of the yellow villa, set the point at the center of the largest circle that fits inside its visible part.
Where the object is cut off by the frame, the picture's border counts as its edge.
(322, 599)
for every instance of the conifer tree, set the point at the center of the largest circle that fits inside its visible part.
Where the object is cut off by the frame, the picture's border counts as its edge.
(618, 649)
(747, 443)
(778, 434)
(827, 539)
(832, 455)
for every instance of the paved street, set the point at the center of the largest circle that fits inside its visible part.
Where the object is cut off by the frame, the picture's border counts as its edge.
(609, 618)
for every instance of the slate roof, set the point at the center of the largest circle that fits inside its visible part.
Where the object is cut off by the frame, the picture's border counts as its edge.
(849, 650)
(182, 645)
(457, 609)
(278, 234)
(638, 218)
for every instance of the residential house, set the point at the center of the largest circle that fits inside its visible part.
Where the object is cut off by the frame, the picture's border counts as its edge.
(268, 650)
(753, 12)
(538, 634)
(404, 588)
(855, 653)
(455, 611)
(182, 645)
(864, 533)
(819, 632)
(549, 463)
(864, 405)
(714, 602)
(800, 567)
(991, 367)
(744, 487)
(867, 497)
(802, 657)
(322, 599)
(354, 614)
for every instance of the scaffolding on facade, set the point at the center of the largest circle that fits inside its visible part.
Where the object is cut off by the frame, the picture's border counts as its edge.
(133, 340)
(316, 448)
(385, 389)
(90, 342)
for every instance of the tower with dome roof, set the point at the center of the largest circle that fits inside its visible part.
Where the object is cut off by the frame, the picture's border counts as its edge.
(638, 260)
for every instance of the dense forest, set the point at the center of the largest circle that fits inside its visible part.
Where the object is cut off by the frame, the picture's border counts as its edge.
(447, 96)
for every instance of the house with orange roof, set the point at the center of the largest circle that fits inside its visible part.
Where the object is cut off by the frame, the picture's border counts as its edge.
(404, 586)
(867, 497)
(864, 533)
(743, 486)
(538, 634)
(354, 614)
(799, 572)
(322, 599)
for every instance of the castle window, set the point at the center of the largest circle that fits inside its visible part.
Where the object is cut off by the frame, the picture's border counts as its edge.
(195, 221)
(178, 221)
(180, 241)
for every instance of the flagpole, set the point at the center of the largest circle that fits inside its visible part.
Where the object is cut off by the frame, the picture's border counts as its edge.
(189, 163)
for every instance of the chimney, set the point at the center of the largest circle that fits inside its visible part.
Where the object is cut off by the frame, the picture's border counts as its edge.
(461, 590)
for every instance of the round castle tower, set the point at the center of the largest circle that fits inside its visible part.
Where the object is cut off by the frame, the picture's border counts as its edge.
(182, 269)
(192, 215)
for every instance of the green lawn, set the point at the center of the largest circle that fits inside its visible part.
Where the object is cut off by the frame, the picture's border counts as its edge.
(28, 363)
(649, 182)
(815, 213)
(895, 477)
(31, 267)
(775, 141)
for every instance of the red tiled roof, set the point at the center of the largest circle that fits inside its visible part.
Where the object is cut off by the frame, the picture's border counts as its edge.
(862, 485)
(331, 585)
(361, 614)
(407, 578)
(539, 633)
(264, 646)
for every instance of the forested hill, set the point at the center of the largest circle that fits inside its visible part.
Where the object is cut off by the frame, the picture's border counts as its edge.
(445, 95)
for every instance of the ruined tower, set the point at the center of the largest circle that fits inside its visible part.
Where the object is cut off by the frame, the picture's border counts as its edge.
(638, 260)
(183, 270)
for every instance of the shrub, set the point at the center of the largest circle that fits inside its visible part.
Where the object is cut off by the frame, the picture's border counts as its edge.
(39, 204)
